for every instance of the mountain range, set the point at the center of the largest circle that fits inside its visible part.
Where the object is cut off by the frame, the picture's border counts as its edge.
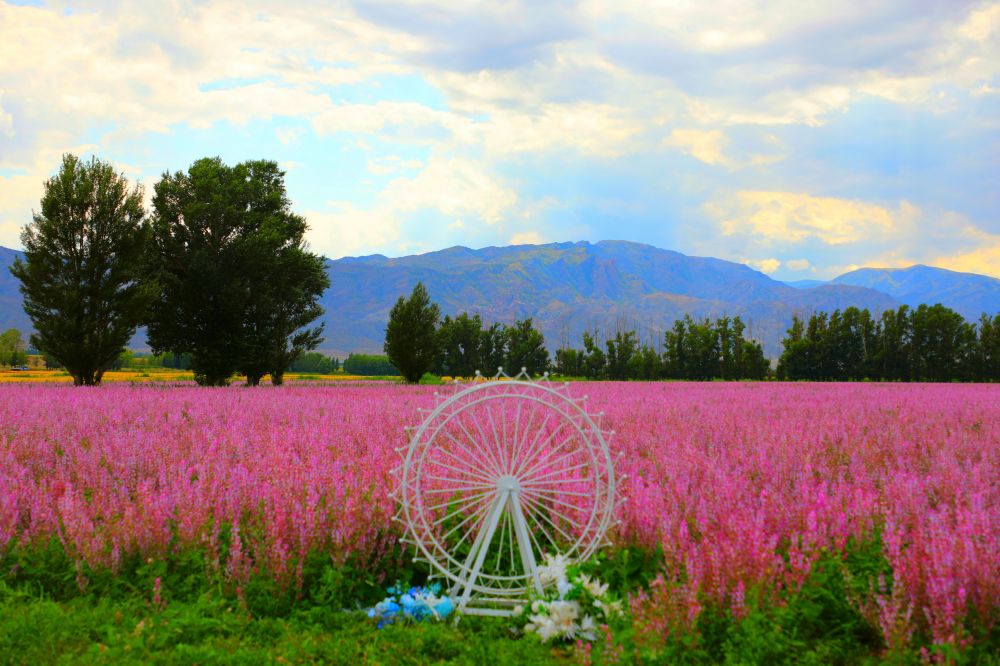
(571, 287)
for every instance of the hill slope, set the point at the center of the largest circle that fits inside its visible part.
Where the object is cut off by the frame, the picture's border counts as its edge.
(572, 287)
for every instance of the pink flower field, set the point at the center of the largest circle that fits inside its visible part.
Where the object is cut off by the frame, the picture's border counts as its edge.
(743, 486)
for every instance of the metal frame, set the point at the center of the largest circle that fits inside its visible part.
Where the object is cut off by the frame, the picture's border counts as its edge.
(480, 460)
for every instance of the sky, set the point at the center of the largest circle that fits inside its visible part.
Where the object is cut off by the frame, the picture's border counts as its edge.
(805, 138)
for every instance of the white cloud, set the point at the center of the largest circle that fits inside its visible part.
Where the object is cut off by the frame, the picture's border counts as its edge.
(798, 264)
(527, 238)
(768, 265)
(789, 217)
(703, 145)
(458, 190)
(981, 23)
(288, 135)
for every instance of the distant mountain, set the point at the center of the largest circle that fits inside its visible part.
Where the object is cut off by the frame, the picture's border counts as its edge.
(571, 287)
(11, 311)
(967, 293)
(804, 284)
(568, 288)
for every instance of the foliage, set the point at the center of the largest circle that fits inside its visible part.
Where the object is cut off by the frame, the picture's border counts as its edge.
(81, 276)
(467, 346)
(314, 362)
(12, 350)
(692, 350)
(411, 339)
(929, 343)
(237, 287)
(369, 365)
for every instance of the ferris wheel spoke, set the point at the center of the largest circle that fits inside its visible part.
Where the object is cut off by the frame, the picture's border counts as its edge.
(548, 461)
(469, 483)
(471, 472)
(468, 499)
(510, 567)
(536, 448)
(572, 521)
(553, 497)
(512, 442)
(499, 445)
(542, 512)
(478, 513)
(494, 465)
(515, 456)
(474, 527)
(546, 471)
(555, 482)
(502, 530)
(473, 458)
(528, 450)
(538, 525)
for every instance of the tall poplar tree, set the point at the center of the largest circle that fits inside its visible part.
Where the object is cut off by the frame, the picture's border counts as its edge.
(411, 338)
(83, 261)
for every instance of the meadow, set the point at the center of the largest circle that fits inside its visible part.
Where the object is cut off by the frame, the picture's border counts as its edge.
(763, 523)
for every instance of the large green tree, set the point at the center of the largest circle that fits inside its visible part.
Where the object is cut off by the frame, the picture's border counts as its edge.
(83, 262)
(237, 286)
(525, 349)
(461, 343)
(411, 338)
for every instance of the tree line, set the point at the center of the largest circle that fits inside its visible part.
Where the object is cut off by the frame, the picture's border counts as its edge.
(928, 343)
(697, 350)
(418, 340)
(218, 270)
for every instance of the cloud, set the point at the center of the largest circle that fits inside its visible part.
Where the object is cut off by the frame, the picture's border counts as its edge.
(985, 258)
(768, 265)
(789, 217)
(798, 264)
(527, 238)
(6, 120)
(479, 112)
(459, 192)
(703, 145)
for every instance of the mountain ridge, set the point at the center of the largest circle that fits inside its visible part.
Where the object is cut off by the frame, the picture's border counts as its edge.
(570, 287)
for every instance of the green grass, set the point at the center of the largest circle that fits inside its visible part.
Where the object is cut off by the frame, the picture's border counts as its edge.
(46, 618)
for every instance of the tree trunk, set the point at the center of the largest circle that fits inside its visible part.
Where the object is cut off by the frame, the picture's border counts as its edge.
(278, 378)
(253, 380)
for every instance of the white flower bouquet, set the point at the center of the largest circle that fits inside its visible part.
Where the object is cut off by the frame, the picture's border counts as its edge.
(573, 606)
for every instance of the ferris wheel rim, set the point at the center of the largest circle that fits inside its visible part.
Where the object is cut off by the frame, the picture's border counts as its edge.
(597, 454)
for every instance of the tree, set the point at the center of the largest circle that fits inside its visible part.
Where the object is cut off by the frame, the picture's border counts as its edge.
(81, 277)
(411, 340)
(525, 349)
(12, 348)
(621, 349)
(237, 286)
(594, 360)
(461, 343)
(988, 348)
(369, 365)
(941, 344)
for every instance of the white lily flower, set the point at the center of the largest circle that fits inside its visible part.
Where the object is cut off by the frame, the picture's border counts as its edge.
(588, 629)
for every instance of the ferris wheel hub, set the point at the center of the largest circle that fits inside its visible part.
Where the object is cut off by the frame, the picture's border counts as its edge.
(508, 483)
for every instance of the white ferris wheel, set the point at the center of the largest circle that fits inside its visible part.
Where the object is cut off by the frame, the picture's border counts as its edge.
(499, 474)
